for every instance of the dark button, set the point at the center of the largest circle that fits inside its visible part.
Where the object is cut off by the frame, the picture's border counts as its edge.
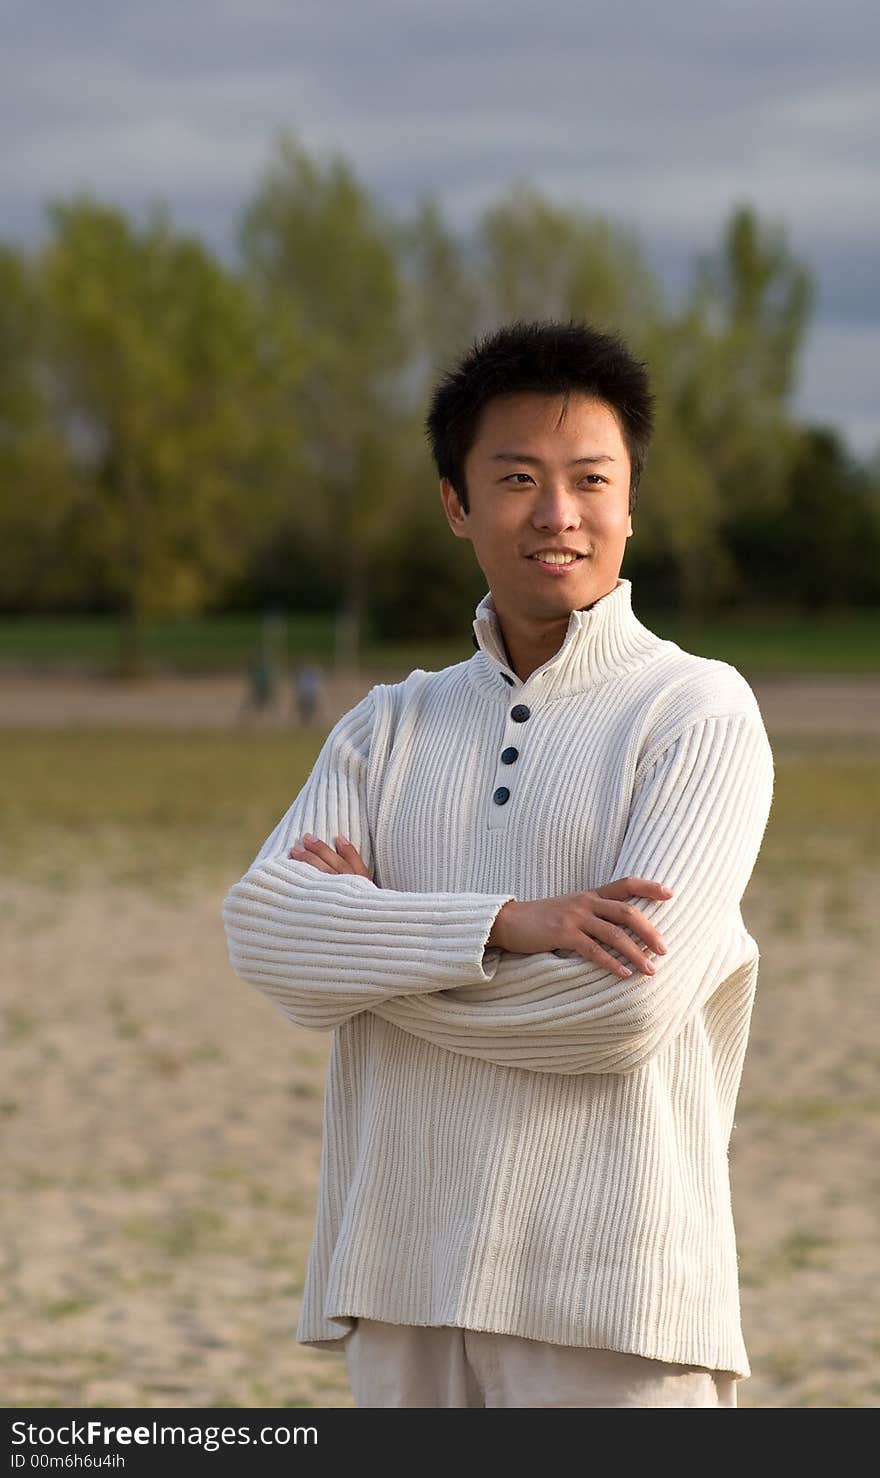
(509, 755)
(501, 795)
(507, 678)
(519, 713)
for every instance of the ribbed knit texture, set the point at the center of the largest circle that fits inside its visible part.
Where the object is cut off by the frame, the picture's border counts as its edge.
(525, 1143)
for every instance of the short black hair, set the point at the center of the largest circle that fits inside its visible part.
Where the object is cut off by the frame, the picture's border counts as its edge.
(547, 357)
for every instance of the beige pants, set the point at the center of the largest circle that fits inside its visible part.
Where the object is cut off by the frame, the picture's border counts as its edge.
(410, 1365)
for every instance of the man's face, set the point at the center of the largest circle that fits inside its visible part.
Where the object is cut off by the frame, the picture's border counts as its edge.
(536, 483)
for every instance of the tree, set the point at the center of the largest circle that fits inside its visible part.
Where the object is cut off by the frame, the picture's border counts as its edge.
(157, 384)
(728, 369)
(525, 258)
(36, 492)
(535, 259)
(822, 549)
(442, 296)
(318, 250)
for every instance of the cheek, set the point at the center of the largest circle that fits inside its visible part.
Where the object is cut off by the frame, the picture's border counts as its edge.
(494, 536)
(610, 522)
(617, 519)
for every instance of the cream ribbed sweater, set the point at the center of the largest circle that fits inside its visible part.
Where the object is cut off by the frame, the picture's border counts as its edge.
(525, 1143)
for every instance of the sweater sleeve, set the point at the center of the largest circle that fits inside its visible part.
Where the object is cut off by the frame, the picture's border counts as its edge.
(323, 946)
(697, 818)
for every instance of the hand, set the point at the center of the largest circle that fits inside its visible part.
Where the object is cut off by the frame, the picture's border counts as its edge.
(576, 921)
(346, 858)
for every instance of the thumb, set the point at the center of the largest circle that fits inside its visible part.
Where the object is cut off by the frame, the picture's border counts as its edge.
(623, 888)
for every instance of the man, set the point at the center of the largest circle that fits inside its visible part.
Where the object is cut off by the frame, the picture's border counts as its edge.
(511, 890)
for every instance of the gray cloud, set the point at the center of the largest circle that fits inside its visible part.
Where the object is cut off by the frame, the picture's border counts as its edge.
(662, 116)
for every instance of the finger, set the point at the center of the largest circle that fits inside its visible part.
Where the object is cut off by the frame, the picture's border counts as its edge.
(627, 916)
(615, 936)
(350, 852)
(623, 888)
(320, 849)
(598, 956)
(299, 854)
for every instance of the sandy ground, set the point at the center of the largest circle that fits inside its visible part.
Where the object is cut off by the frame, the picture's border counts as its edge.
(803, 706)
(161, 1131)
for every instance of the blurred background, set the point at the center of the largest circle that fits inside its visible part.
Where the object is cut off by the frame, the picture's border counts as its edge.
(237, 245)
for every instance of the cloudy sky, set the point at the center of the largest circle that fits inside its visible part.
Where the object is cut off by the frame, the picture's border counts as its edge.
(663, 115)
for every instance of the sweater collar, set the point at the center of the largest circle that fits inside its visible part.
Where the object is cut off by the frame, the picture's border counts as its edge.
(600, 642)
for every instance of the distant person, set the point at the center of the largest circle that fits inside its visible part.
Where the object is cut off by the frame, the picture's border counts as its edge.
(308, 691)
(259, 695)
(511, 890)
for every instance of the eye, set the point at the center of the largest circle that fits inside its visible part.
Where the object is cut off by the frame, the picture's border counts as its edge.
(596, 476)
(516, 474)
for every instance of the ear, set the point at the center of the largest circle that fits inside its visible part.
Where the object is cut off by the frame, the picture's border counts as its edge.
(455, 514)
(629, 526)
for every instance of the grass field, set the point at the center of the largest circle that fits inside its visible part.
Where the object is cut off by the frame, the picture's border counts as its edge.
(162, 1123)
(755, 641)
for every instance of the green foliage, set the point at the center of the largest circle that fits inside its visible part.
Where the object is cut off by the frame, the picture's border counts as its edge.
(178, 436)
(318, 249)
(724, 370)
(36, 492)
(441, 292)
(535, 259)
(155, 383)
(822, 547)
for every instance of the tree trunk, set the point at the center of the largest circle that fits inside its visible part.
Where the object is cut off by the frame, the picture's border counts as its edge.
(692, 582)
(130, 649)
(130, 661)
(350, 618)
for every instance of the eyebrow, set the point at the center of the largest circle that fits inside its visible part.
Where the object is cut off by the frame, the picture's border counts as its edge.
(536, 461)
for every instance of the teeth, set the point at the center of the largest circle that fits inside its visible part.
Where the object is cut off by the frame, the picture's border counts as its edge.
(556, 558)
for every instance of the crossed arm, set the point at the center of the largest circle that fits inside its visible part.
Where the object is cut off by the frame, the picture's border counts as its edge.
(578, 920)
(328, 944)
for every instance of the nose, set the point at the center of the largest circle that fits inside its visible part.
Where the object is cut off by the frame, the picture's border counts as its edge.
(556, 508)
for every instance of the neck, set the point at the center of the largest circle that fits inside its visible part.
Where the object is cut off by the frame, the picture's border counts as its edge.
(528, 643)
(599, 641)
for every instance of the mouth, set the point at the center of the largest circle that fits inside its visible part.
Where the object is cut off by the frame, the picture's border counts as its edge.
(556, 563)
